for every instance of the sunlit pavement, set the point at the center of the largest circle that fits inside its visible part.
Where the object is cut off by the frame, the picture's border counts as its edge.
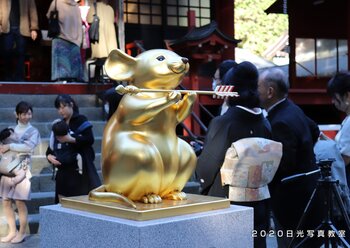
(33, 241)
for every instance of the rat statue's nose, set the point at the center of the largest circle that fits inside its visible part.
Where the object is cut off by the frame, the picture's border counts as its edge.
(185, 60)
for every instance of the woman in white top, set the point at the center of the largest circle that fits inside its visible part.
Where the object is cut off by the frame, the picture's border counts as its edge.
(24, 139)
(339, 89)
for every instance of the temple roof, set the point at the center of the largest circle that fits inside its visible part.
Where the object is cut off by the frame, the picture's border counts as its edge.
(278, 7)
(202, 33)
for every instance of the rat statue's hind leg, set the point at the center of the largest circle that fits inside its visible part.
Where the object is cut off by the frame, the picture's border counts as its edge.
(135, 168)
(187, 164)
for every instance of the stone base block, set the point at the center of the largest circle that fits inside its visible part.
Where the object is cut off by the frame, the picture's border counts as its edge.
(64, 227)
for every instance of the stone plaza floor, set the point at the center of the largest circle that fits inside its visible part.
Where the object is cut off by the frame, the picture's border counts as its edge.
(33, 241)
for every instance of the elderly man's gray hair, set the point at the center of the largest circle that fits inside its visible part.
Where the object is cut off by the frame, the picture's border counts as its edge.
(277, 79)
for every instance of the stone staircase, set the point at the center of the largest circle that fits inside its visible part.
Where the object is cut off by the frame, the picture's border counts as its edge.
(43, 186)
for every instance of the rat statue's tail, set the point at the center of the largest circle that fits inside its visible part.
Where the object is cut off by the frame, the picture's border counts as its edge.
(100, 194)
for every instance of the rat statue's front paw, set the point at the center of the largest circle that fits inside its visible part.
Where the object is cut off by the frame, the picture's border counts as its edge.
(174, 95)
(131, 89)
(151, 198)
(191, 97)
(176, 195)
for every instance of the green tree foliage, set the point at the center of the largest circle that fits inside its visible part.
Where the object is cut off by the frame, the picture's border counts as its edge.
(255, 28)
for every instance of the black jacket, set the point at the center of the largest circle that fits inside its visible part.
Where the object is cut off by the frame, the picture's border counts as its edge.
(84, 141)
(297, 133)
(235, 124)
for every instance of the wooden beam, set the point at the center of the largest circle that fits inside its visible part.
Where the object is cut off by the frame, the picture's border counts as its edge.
(52, 88)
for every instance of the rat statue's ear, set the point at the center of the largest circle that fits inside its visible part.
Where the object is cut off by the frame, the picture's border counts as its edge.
(120, 66)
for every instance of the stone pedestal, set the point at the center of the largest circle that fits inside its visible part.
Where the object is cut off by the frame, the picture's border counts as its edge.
(64, 227)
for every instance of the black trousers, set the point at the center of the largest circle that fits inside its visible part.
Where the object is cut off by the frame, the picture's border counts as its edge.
(261, 220)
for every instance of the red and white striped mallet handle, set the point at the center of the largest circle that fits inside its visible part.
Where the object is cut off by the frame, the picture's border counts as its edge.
(220, 91)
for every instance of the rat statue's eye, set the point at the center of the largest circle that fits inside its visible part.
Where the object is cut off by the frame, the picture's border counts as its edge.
(160, 58)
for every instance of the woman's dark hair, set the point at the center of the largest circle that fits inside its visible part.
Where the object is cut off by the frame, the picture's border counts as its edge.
(66, 100)
(23, 107)
(225, 66)
(339, 84)
(244, 78)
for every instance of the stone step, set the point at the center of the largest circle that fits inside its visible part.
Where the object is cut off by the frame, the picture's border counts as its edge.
(39, 199)
(33, 223)
(51, 114)
(40, 165)
(44, 182)
(41, 148)
(43, 187)
(192, 187)
(45, 127)
(39, 100)
(32, 241)
(32, 226)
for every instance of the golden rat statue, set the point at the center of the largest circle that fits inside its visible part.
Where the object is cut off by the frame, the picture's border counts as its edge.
(142, 157)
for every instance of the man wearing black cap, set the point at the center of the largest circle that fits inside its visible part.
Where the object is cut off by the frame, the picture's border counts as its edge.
(243, 119)
(298, 134)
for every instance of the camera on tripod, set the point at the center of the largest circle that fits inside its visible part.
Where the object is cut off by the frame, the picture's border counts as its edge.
(325, 166)
(329, 188)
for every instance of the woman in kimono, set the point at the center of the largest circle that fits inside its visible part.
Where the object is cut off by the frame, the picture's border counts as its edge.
(24, 140)
(243, 119)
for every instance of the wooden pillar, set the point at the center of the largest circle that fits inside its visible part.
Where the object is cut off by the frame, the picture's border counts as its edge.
(291, 29)
(195, 84)
(120, 23)
(348, 31)
(191, 19)
(224, 16)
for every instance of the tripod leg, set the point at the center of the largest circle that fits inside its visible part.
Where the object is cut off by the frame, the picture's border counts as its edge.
(341, 206)
(300, 244)
(343, 212)
(301, 221)
(337, 236)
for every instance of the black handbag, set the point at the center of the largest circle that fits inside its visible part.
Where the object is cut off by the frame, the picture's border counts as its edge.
(54, 26)
(94, 27)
